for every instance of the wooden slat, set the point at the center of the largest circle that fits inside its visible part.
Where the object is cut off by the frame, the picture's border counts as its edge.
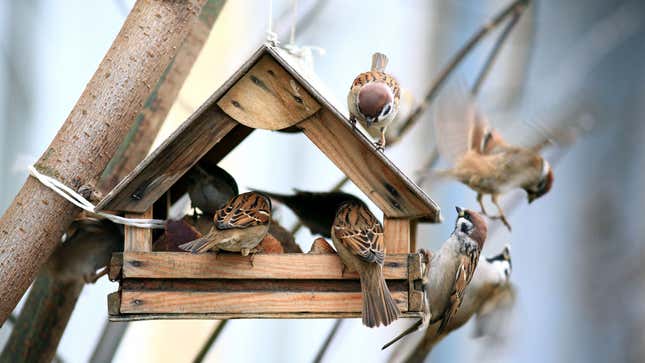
(116, 264)
(245, 302)
(114, 303)
(160, 170)
(397, 235)
(233, 266)
(220, 316)
(267, 97)
(372, 173)
(415, 283)
(138, 239)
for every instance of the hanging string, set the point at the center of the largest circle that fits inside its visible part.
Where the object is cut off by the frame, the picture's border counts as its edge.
(272, 38)
(79, 201)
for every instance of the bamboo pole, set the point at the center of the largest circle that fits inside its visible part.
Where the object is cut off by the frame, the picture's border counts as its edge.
(32, 225)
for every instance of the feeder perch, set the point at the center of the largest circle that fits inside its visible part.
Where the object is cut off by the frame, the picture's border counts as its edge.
(267, 92)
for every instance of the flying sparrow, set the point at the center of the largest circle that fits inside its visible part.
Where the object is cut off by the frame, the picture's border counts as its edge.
(482, 159)
(87, 246)
(240, 225)
(358, 238)
(373, 99)
(489, 296)
(316, 210)
(210, 187)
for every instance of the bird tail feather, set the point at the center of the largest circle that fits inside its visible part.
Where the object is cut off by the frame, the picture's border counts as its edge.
(199, 245)
(379, 62)
(416, 326)
(378, 305)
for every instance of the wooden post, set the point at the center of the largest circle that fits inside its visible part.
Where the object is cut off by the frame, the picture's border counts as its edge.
(32, 225)
(138, 239)
(400, 235)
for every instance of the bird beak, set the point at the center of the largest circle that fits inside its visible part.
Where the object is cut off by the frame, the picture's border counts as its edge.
(531, 198)
(370, 121)
(460, 212)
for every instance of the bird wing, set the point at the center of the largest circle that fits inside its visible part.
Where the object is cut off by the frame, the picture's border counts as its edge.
(464, 274)
(361, 233)
(244, 211)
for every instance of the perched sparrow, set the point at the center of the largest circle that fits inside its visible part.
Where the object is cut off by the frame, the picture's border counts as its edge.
(373, 99)
(316, 210)
(240, 226)
(482, 159)
(211, 188)
(176, 232)
(87, 247)
(358, 238)
(453, 266)
(489, 295)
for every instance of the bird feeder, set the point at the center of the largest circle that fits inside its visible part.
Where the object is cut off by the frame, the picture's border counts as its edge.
(268, 92)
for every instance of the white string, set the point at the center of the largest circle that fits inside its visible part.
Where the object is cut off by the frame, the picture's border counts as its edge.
(79, 201)
(272, 37)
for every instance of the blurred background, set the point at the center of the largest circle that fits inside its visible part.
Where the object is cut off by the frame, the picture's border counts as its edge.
(577, 252)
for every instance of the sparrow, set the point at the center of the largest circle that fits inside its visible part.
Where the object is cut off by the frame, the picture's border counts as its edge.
(489, 297)
(176, 232)
(316, 210)
(453, 267)
(239, 226)
(482, 159)
(358, 238)
(210, 188)
(87, 246)
(373, 99)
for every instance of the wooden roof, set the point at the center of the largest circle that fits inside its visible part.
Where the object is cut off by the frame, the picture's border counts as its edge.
(270, 92)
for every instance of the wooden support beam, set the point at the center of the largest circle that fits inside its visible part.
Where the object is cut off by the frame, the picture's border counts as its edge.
(267, 97)
(234, 266)
(97, 124)
(398, 234)
(138, 239)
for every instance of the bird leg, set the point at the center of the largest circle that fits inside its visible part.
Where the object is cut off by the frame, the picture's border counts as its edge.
(380, 145)
(352, 119)
(480, 200)
(251, 252)
(501, 212)
(93, 277)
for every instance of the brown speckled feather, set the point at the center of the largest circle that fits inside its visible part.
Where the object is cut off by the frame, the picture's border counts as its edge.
(244, 211)
(465, 273)
(374, 76)
(361, 233)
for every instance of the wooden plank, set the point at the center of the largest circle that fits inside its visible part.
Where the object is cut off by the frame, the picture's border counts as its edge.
(160, 170)
(137, 239)
(368, 168)
(415, 281)
(234, 266)
(397, 235)
(114, 303)
(182, 302)
(267, 97)
(115, 266)
(220, 316)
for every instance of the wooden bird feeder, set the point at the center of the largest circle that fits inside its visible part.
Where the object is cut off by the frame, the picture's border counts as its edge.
(267, 92)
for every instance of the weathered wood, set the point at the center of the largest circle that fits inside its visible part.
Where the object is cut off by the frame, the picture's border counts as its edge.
(415, 283)
(135, 238)
(220, 316)
(114, 303)
(369, 169)
(137, 143)
(89, 137)
(154, 176)
(268, 97)
(115, 266)
(397, 234)
(133, 302)
(235, 266)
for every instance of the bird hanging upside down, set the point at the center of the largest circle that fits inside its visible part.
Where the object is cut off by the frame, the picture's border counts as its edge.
(482, 159)
(373, 99)
(240, 226)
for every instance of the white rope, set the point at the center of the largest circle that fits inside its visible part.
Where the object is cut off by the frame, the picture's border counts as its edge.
(78, 200)
(272, 37)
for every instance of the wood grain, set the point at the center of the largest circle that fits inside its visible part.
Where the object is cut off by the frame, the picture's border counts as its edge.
(416, 283)
(367, 168)
(160, 170)
(89, 137)
(117, 317)
(397, 233)
(115, 266)
(268, 97)
(245, 302)
(234, 266)
(137, 239)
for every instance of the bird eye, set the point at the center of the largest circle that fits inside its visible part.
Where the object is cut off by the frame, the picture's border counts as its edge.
(387, 110)
(464, 228)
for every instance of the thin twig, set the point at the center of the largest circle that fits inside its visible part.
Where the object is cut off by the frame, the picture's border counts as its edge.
(211, 340)
(323, 349)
